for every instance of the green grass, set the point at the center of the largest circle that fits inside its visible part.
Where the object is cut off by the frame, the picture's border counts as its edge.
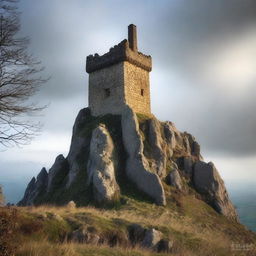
(143, 117)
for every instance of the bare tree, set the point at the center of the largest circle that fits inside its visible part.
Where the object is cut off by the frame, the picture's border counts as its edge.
(19, 79)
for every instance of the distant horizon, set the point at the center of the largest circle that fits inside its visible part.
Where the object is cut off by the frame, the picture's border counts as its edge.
(240, 193)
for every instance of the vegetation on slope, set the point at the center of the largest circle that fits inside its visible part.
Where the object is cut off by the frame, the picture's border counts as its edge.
(193, 226)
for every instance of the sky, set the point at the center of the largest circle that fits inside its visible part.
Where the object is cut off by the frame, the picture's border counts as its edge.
(203, 77)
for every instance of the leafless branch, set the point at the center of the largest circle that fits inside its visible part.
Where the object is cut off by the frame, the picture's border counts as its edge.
(19, 79)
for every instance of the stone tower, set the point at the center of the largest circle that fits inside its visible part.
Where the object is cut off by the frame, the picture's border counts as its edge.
(119, 77)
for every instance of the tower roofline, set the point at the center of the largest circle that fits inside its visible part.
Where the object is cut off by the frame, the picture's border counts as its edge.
(124, 51)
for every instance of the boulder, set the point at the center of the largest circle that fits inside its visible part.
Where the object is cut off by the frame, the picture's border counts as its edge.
(164, 245)
(151, 238)
(82, 235)
(101, 167)
(137, 168)
(71, 205)
(174, 179)
(136, 233)
(208, 182)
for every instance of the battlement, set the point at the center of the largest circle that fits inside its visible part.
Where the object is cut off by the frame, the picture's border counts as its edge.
(124, 51)
(119, 78)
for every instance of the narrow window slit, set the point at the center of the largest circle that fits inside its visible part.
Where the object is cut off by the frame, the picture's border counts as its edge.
(107, 92)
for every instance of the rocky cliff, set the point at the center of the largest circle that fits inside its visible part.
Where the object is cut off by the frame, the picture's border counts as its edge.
(112, 158)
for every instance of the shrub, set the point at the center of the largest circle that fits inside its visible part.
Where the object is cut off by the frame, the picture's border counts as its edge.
(8, 217)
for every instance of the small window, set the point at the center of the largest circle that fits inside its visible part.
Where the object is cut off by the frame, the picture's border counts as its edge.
(107, 92)
(142, 92)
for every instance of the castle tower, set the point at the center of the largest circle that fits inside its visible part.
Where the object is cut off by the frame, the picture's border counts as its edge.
(119, 77)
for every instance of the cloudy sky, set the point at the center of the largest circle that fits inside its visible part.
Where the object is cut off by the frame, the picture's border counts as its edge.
(203, 77)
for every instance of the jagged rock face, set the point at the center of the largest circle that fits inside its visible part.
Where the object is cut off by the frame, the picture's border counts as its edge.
(208, 182)
(137, 168)
(140, 149)
(157, 145)
(186, 164)
(76, 156)
(35, 187)
(101, 167)
(175, 179)
(58, 166)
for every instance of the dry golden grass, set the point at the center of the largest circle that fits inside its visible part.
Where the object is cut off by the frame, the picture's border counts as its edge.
(195, 228)
(151, 215)
(44, 248)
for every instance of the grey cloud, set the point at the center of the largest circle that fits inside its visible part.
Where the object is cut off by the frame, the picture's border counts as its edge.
(179, 34)
(184, 26)
(222, 122)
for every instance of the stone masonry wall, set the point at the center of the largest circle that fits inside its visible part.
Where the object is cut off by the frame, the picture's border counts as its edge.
(137, 89)
(106, 90)
(111, 88)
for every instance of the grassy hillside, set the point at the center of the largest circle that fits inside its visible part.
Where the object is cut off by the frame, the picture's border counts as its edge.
(193, 226)
(187, 221)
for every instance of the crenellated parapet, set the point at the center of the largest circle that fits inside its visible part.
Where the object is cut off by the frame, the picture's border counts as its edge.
(120, 77)
(118, 53)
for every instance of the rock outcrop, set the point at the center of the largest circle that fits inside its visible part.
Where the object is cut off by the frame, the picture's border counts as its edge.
(157, 146)
(174, 179)
(79, 144)
(59, 165)
(35, 188)
(101, 166)
(83, 235)
(208, 182)
(137, 167)
(149, 238)
(152, 238)
(110, 154)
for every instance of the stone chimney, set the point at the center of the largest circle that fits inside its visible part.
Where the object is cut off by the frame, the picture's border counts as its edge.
(132, 37)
